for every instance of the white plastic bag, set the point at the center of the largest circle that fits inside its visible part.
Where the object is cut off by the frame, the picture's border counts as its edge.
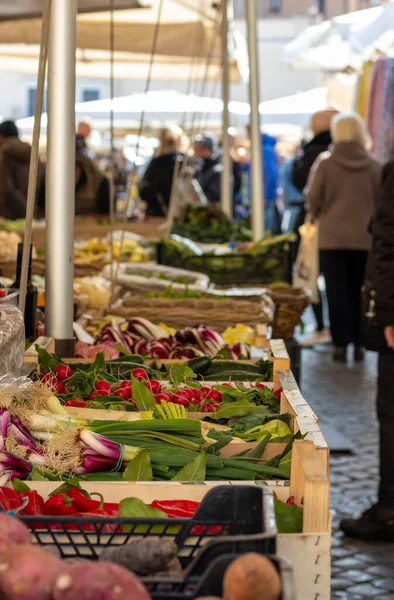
(307, 268)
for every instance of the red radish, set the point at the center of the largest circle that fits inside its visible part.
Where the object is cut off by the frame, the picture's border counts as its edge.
(82, 404)
(181, 397)
(215, 395)
(278, 393)
(60, 387)
(183, 402)
(63, 372)
(227, 385)
(154, 386)
(72, 403)
(103, 387)
(48, 378)
(139, 373)
(126, 385)
(162, 397)
(212, 407)
(124, 394)
(204, 392)
(189, 394)
(261, 386)
(96, 393)
(196, 402)
(291, 501)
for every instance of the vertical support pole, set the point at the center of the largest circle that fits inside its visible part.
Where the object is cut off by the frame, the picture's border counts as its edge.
(256, 161)
(226, 181)
(60, 201)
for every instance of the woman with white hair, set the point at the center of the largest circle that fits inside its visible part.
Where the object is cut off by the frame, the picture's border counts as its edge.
(342, 192)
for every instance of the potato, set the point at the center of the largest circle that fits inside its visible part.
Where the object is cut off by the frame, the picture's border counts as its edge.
(99, 581)
(251, 577)
(208, 598)
(28, 573)
(143, 556)
(12, 531)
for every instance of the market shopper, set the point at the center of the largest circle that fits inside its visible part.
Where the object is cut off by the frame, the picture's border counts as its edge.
(156, 183)
(208, 167)
(14, 172)
(378, 521)
(302, 165)
(341, 193)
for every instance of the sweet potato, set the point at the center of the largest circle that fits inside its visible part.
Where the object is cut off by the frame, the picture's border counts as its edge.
(28, 573)
(12, 531)
(99, 581)
(143, 556)
(251, 576)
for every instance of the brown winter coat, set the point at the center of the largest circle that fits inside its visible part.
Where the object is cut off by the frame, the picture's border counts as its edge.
(14, 178)
(342, 193)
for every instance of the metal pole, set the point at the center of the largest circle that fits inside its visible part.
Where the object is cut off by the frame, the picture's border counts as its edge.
(60, 202)
(256, 160)
(226, 181)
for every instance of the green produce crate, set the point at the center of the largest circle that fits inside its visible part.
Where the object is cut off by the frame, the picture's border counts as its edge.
(236, 269)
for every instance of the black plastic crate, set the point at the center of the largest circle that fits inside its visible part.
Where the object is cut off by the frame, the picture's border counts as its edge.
(225, 513)
(205, 578)
(236, 268)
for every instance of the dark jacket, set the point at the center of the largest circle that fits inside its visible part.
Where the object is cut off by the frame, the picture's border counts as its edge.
(156, 184)
(208, 175)
(92, 191)
(383, 250)
(14, 178)
(303, 163)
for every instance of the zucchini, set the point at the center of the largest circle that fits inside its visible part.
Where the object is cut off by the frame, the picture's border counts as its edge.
(233, 375)
(220, 366)
(200, 365)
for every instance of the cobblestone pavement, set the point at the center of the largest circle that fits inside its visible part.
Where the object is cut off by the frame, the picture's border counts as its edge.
(344, 396)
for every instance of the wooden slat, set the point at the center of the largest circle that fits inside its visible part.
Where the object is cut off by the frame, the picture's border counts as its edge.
(309, 484)
(261, 340)
(278, 353)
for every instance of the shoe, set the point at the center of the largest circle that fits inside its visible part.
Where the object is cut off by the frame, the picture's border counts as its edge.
(359, 353)
(318, 338)
(376, 523)
(340, 354)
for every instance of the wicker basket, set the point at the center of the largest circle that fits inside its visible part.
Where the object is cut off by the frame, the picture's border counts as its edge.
(290, 304)
(186, 312)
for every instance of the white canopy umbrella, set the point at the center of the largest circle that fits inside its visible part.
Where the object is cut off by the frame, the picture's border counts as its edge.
(9, 9)
(342, 42)
(169, 105)
(23, 58)
(186, 29)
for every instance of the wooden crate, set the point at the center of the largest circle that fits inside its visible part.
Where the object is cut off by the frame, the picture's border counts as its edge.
(309, 551)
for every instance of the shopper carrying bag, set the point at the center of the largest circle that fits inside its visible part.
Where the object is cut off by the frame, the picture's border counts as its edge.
(307, 267)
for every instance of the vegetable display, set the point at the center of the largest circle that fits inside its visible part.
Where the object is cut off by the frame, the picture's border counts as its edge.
(210, 224)
(140, 336)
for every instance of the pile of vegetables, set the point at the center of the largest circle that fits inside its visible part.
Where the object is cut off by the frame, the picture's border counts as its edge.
(123, 384)
(209, 224)
(70, 499)
(99, 249)
(140, 336)
(40, 440)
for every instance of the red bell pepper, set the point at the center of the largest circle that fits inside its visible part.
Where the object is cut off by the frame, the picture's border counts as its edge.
(9, 499)
(92, 527)
(84, 503)
(176, 509)
(60, 505)
(35, 506)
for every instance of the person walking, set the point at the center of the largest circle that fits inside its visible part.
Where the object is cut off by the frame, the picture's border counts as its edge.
(156, 183)
(302, 165)
(341, 194)
(14, 172)
(377, 523)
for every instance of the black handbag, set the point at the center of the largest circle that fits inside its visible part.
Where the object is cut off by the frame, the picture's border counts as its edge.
(373, 335)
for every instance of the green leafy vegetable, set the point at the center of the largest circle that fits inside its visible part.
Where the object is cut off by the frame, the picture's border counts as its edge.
(48, 362)
(233, 409)
(20, 486)
(139, 469)
(180, 373)
(288, 517)
(134, 508)
(195, 470)
(143, 398)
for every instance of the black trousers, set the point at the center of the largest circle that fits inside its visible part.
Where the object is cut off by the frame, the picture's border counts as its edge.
(385, 411)
(344, 274)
